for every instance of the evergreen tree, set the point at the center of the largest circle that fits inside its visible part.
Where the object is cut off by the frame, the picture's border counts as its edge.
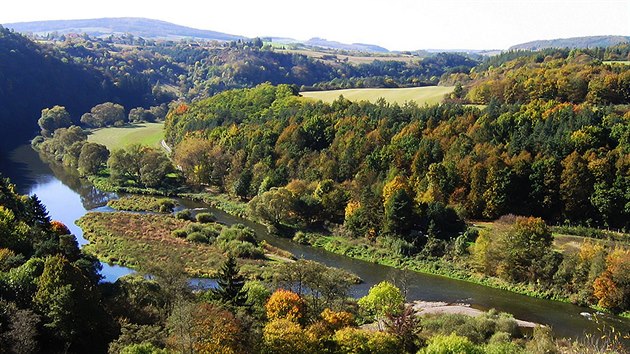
(230, 290)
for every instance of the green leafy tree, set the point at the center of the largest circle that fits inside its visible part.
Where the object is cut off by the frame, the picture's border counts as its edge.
(93, 158)
(383, 299)
(576, 187)
(399, 215)
(71, 307)
(53, 119)
(104, 114)
(274, 206)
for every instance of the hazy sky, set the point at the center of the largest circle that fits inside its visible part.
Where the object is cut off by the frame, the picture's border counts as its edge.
(394, 24)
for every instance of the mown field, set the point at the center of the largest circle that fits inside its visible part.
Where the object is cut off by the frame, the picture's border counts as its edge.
(333, 57)
(421, 95)
(149, 134)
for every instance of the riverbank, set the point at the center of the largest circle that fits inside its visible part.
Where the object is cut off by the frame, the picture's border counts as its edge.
(374, 253)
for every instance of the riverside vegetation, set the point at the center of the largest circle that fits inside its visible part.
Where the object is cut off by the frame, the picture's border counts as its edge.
(551, 142)
(52, 301)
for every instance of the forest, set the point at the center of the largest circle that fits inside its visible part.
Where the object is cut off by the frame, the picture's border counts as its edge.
(79, 71)
(528, 146)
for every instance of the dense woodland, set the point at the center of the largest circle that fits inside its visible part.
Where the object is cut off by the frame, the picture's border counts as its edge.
(78, 72)
(547, 144)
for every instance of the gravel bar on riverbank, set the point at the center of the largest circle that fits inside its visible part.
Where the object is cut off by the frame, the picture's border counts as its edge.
(433, 307)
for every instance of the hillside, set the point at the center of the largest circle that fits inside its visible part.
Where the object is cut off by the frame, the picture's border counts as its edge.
(34, 77)
(359, 47)
(141, 27)
(575, 42)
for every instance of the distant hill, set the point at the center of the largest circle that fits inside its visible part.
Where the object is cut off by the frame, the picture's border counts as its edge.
(141, 27)
(360, 47)
(575, 42)
(34, 76)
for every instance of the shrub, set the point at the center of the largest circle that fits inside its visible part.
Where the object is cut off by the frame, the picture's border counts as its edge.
(301, 238)
(184, 214)
(205, 217)
(194, 228)
(166, 206)
(503, 348)
(238, 232)
(242, 249)
(359, 341)
(542, 342)
(180, 233)
(451, 344)
(197, 237)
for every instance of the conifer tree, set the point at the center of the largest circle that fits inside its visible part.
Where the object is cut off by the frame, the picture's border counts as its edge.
(230, 289)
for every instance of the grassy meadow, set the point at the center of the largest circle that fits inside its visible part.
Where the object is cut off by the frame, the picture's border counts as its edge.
(149, 134)
(421, 95)
(146, 241)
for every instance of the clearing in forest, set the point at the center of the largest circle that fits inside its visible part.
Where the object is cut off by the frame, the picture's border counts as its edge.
(421, 95)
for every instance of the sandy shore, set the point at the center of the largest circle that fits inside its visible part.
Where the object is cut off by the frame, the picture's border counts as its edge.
(429, 307)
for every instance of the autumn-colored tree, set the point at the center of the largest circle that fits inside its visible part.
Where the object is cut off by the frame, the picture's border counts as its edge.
(216, 331)
(335, 320)
(612, 287)
(59, 228)
(285, 304)
(284, 336)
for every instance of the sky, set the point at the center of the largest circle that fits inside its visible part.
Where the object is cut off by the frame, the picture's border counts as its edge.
(393, 24)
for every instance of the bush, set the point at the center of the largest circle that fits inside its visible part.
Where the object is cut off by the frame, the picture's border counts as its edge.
(197, 237)
(238, 232)
(194, 228)
(301, 238)
(185, 214)
(211, 232)
(179, 233)
(355, 340)
(503, 348)
(242, 249)
(166, 206)
(205, 217)
(476, 329)
(451, 344)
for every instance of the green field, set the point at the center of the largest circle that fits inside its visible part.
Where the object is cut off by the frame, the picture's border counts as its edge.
(625, 62)
(149, 134)
(421, 95)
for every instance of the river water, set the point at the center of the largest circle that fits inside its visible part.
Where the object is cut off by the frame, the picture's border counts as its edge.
(67, 198)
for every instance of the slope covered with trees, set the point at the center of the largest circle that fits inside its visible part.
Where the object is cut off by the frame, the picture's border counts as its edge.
(79, 72)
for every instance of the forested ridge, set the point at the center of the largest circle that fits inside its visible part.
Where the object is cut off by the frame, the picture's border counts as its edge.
(79, 71)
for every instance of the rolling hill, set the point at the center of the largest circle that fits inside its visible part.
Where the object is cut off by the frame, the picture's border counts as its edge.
(575, 42)
(142, 27)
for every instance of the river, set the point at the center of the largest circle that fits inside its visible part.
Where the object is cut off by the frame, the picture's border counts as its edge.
(67, 198)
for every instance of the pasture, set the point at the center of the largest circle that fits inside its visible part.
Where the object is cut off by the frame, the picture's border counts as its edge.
(149, 134)
(421, 95)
